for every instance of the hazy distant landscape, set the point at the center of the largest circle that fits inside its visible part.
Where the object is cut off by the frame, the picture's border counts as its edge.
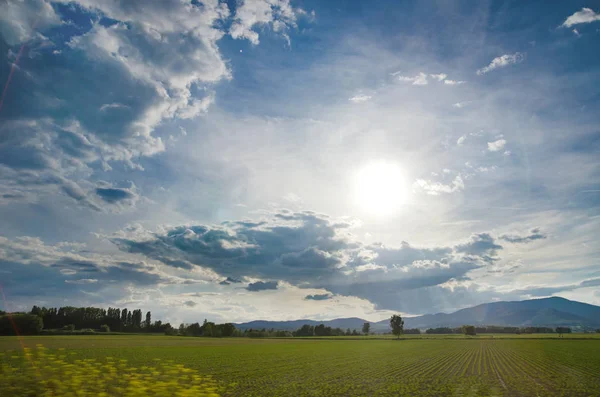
(548, 312)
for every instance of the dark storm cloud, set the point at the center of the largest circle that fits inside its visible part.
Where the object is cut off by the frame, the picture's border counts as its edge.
(262, 286)
(63, 271)
(312, 250)
(481, 245)
(534, 234)
(304, 245)
(113, 195)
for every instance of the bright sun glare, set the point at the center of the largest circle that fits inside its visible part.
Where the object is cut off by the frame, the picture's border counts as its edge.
(380, 188)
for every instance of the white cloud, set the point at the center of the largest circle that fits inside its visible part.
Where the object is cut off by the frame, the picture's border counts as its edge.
(436, 188)
(82, 281)
(278, 14)
(496, 145)
(360, 98)
(19, 20)
(108, 106)
(419, 79)
(439, 77)
(502, 61)
(453, 82)
(461, 140)
(585, 15)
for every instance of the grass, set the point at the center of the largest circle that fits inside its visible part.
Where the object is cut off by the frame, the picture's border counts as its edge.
(431, 365)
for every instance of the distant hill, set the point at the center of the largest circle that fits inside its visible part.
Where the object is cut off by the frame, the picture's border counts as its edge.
(549, 312)
(343, 323)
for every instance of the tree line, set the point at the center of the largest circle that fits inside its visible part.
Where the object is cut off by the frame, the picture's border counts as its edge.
(68, 319)
(111, 319)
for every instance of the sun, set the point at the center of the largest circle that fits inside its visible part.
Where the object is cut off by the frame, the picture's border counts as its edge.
(380, 188)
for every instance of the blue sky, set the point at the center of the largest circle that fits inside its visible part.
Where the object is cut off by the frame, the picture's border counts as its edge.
(283, 159)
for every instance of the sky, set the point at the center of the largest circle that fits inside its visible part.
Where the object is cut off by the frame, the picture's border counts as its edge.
(287, 159)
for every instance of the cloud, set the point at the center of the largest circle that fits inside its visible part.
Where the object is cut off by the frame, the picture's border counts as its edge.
(262, 286)
(162, 58)
(585, 15)
(502, 61)
(496, 145)
(305, 249)
(419, 79)
(118, 196)
(439, 77)
(481, 245)
(360, 98)
(534, 234)
(113, 195)
(82, 281)
(537, 291)
(279, 15)
(66, 269)
(318, 297)
(436, 188)
(290, 246)
(460, 105)
(230, 280)
(453, 82)
(20, 20)
(190, 303)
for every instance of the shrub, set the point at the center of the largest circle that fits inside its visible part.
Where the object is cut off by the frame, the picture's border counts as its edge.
(104, 328)
(39, 373)
(468, 330)
(26, 324)
(69, 327)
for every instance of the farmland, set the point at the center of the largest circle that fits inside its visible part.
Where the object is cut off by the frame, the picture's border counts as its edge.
(435, 366)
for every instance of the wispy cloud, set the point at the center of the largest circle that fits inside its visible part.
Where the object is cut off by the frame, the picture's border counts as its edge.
(460, 105)
(360, 98)
(585, 15)
(437, 188)
(501, 62)
(453, 82)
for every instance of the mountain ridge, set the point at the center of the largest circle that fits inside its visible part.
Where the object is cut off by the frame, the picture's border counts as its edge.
(548, 312)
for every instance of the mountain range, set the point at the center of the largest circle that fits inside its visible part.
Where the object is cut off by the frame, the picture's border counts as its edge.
(548, 312)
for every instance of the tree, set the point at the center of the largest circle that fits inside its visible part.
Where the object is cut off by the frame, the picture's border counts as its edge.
(468, 330)
(148, 321)
(366, 328)
(123, 319)
(348, 332)
(305, 330)
(397, 325)
(227, 329)
(562, 330)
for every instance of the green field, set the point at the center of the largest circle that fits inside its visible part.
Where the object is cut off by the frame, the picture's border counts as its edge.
(434, 366)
